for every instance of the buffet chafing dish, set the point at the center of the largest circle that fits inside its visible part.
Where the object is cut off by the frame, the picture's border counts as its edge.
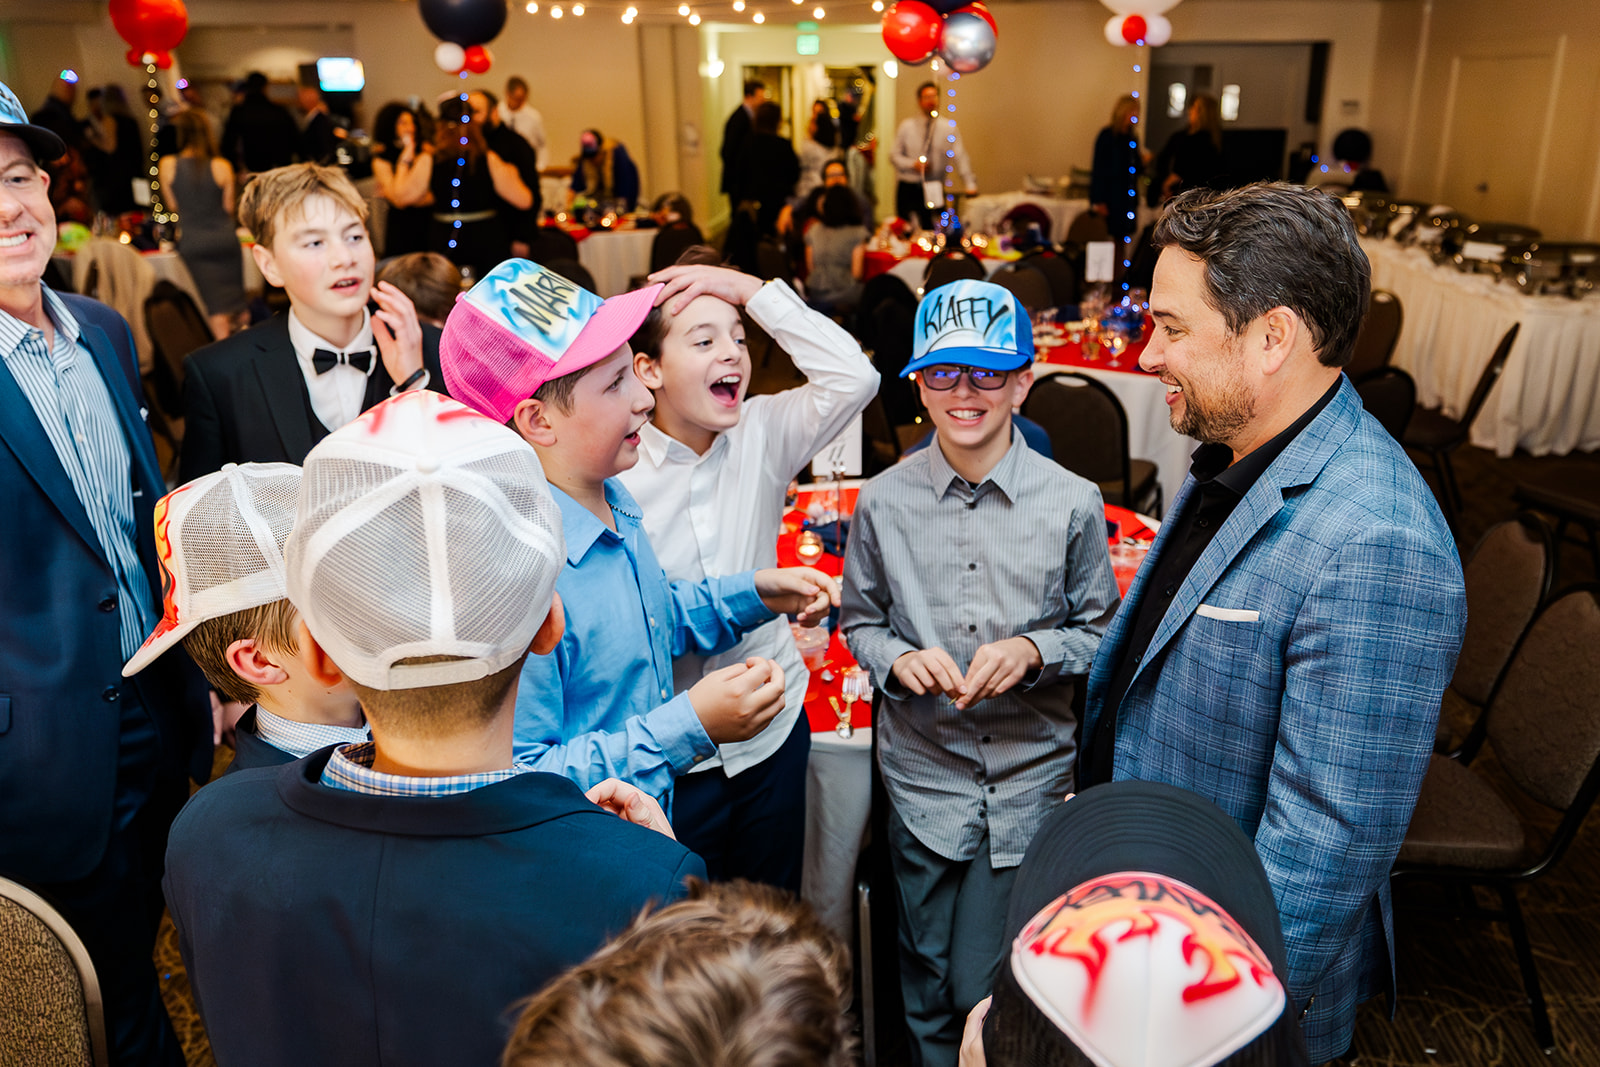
(1484, 245)
(1569, 267)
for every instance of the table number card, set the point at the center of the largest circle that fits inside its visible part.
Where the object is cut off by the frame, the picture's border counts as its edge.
(1101, 261)
(843, 451)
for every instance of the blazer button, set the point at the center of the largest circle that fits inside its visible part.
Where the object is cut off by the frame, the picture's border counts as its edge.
(110, 694)
(108, 604)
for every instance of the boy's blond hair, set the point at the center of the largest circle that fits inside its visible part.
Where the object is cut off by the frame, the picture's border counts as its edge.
(272, 626)
(278, 196)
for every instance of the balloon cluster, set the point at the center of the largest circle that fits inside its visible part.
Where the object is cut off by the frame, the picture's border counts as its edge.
(153, 28)
(1139, 22)
(463, 27)
(962, 33)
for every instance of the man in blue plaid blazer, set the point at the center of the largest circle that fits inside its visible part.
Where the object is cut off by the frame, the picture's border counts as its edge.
(1284, 647)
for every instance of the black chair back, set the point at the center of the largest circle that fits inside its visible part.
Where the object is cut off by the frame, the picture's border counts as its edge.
(1486, 380)
(1391, 396)
(671, 242)
(1379, 332)
(1087, 227)
(551, 243)
(950, 267)
(1029, 286)
(1059, 272)
(1087, 426)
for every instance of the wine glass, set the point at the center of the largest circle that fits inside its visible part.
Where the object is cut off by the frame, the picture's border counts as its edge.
(853, 687)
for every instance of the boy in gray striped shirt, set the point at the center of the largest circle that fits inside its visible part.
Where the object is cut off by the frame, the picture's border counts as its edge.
(976, 585)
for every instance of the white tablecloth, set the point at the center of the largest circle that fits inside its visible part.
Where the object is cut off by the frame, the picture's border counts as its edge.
(911, 269)
(1548, 398)
(616, 257)
(838, 802)
(1150, 432)
(982, 214)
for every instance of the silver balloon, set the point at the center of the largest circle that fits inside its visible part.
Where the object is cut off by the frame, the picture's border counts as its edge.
(968, 42)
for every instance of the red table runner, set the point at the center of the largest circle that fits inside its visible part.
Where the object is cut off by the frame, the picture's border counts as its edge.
(1059, 350)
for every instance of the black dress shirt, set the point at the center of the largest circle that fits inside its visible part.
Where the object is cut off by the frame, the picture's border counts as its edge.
(1219, 488)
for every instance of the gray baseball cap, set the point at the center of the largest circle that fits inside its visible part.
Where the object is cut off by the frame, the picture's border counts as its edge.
(14, 120)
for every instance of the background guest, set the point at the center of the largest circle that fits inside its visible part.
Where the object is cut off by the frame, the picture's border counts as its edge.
(734, 132)
(319, 135)
(820, 146)
(116, 150)
(517, 113)
(199, 186)
(836, 253)
(430, 280)
(486, 180)
(520, 222)
(259, 134)
(1192, 157)
(1118, 163)
(603, 170)
(398, 146)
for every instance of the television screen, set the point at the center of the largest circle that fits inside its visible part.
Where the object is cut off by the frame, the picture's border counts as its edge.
(340, 75)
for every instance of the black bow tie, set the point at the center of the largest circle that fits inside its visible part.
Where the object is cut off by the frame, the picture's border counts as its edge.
(325, 361)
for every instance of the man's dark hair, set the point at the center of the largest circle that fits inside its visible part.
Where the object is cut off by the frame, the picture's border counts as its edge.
(840, 207)
(1353, 146)
(1274, 244)
(835, 163)
(753, 87)
(926, 85)
(255, 82)
(767, 117)
(494, 101)
(516, 81)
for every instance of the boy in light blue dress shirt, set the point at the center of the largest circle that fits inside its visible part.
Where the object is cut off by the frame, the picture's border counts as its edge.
(531, 349)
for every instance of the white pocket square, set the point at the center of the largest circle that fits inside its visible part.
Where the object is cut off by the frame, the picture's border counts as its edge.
(1228, 614)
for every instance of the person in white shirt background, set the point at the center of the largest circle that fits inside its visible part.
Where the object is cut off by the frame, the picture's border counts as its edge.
(920, 143)
(711, 479)
(516, 112)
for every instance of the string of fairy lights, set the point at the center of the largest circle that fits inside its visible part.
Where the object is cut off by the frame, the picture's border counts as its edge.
(158, 207)
(1133, 181)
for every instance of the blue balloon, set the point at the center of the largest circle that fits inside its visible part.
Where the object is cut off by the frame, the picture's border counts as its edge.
(464, 22)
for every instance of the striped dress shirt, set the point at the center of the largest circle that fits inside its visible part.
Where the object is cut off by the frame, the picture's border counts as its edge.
(936, 562)
(350, 769)
(73, 405)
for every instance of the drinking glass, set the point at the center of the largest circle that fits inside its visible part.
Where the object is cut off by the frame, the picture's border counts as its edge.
(808, 546)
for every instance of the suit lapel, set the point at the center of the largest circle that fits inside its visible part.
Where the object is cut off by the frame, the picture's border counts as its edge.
(283, 390)
(23, 434)
(1298, 465)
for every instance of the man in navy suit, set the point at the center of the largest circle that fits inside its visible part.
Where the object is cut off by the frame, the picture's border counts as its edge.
(92, 766)
(1283, 649)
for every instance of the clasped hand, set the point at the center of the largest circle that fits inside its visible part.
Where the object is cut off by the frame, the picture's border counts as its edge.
(995, 668)
(804, 592)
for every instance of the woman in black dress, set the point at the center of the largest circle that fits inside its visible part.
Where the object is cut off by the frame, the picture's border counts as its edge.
(1118, 163)
(466, 178)
(400, 147)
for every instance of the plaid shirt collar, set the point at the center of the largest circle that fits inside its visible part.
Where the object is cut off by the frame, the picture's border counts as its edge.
(350, 768)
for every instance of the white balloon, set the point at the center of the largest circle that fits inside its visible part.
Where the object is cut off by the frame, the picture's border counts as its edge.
(1157, 30)
(449, 57)
(1114, 30)
(1140, 7)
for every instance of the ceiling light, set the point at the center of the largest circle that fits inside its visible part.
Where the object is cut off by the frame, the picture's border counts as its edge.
(877, 5)
(694, 20)
(533, 7)
(818, 13)
(683, 9)
(738, 5)
(555, 11)
(758, 18)
(577, 10)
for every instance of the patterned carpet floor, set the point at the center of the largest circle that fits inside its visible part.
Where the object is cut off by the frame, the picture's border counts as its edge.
(1460, 992)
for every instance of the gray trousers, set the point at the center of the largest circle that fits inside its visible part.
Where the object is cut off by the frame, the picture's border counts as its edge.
(952, 929)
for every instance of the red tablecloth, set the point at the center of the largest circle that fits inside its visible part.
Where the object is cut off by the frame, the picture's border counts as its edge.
(838, 658)
(1061, 351)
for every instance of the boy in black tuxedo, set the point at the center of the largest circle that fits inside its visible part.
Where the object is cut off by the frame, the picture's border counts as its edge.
(270, 393)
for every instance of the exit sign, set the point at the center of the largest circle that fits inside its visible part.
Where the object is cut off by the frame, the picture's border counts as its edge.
(807, 42)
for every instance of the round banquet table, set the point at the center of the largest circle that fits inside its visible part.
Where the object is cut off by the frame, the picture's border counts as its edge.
(910, 267)
(1548, 398)
(839, 772)
(982, 214)
(1143, 397)
(616, 257)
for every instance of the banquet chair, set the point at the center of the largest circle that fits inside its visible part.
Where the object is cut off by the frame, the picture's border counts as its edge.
(50, 1005)
(176, 327)
(885, 319)
(1573, 498)
(670, 242)
(1433, 432)
(1508, 575)
(1379, 332)
(1391, 396)
(572, 271)
(948, 267)
(1543, 724)
(1030, 288)
(552, 242)
(1088, 431)
(1059, 272)
(1026, 215)
(1088, 226)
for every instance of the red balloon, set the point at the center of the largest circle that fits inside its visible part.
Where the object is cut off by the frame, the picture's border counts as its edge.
(911, 30)
(478, 59)
(150, 26)
(1133, 29)
(980, 9)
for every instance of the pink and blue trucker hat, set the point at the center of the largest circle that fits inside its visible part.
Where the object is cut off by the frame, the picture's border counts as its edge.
(522, 326)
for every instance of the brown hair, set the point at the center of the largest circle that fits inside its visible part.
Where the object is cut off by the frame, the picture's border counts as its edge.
(430, 280)
(194, 131)
(272, 626)
(451, 131)
(737, 975)
(1125, 108)
(438, 710)
(652, 331)
(274, 198)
